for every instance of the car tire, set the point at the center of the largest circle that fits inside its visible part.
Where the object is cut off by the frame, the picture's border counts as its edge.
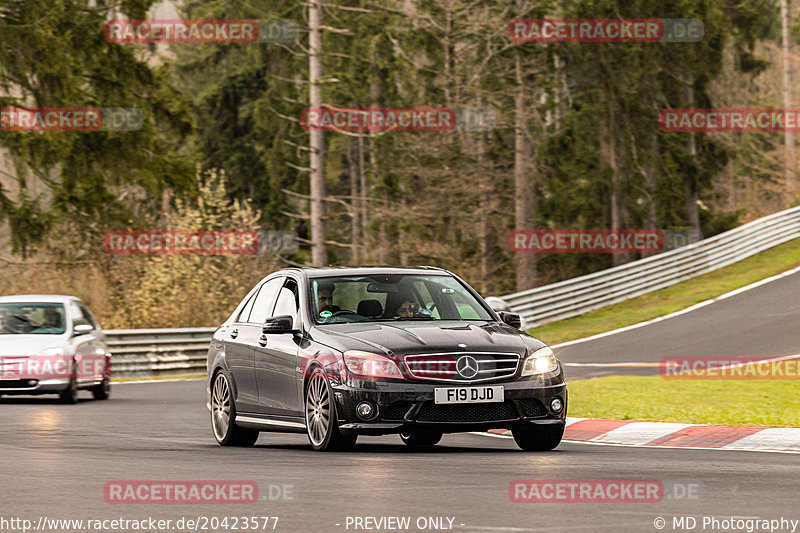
(102, 391)
(420, 437)
(70, 394)
(538, 438)
(322, 424)
(223, 415)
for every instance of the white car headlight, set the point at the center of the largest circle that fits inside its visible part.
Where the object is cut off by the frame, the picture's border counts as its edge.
(541, 361)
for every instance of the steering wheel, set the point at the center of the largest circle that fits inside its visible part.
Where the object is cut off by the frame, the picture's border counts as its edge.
(343, 312)
(340, 312)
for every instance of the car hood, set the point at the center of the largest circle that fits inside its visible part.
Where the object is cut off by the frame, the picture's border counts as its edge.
(403, 338)
(17, 344)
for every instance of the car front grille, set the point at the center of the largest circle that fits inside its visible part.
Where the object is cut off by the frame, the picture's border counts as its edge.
(451, 367)
(17, 384)
(467, 412)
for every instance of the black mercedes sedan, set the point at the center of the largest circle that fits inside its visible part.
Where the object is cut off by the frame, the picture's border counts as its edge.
(340, 352)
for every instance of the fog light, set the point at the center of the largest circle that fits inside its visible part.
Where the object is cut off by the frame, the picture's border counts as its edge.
(365, 411)
(556, 405)
(31, 382)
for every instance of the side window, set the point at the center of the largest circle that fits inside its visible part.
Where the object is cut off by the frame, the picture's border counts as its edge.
(264, 300)
(87, 315)
(77, 315)
(244, 314)
(288, 300)
(465, 310)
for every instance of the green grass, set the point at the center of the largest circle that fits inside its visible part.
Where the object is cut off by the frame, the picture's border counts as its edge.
(655, 399)
(674, 298)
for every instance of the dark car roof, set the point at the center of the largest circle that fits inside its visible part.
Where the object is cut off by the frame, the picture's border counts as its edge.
(322, 272)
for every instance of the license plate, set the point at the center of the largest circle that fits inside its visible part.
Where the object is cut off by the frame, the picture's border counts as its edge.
(468, 394)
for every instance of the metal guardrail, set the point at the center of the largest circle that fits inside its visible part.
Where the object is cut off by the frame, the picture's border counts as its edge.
(163, 352)
(576, 296)
(183, 351)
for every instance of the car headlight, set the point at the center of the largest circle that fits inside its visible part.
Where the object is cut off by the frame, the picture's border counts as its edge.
(371, 365)
(541, 361)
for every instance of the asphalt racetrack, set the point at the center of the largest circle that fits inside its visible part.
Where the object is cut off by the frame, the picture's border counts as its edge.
(763, 321)
(57, 459)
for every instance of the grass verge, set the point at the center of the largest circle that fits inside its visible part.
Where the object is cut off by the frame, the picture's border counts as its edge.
(655, 399)
(680, 296)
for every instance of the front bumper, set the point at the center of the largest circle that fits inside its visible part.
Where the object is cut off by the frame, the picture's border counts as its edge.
(25, 386)
(405, 405)
(33, 386)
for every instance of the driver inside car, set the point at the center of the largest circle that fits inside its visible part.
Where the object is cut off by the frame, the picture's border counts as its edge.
(325, 299)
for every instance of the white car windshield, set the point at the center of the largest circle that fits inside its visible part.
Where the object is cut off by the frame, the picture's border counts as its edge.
(32, 318)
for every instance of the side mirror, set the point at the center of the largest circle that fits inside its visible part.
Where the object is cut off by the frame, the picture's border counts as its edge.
(82, 329)
(512, 319)
(278, 324)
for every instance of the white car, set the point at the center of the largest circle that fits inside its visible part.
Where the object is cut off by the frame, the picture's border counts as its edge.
(51, 344)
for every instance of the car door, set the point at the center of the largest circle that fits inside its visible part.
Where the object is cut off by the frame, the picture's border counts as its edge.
(240, 340)
(276, 359)
(89, 349)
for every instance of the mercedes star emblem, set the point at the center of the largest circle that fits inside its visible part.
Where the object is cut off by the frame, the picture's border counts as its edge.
(467, 367)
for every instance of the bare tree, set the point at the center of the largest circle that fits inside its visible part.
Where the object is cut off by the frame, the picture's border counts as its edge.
(790, 173)
(319, 251)
(523, 182)
(689, 182)
(354, 174)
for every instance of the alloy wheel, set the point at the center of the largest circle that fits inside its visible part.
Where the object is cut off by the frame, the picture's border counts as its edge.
(221, 406)
(318, 410)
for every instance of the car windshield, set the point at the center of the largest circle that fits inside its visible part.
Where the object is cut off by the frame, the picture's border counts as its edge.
(392, 297)
(32, 318)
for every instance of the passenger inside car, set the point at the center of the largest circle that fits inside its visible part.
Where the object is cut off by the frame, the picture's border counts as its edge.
(399, 305)
(406, 309)
(53, 321)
